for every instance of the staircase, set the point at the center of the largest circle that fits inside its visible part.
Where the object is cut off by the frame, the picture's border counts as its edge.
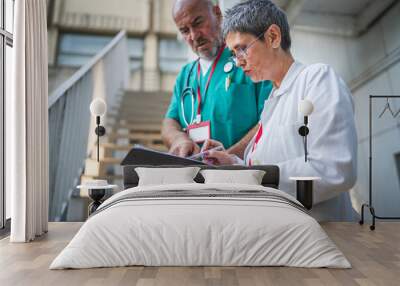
(136, 120)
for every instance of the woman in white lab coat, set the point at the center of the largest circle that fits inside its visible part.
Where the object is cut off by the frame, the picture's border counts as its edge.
(257, 33)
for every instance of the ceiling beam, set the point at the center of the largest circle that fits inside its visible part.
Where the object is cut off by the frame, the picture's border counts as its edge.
(370, 13)
(341, 24)
(326, 23)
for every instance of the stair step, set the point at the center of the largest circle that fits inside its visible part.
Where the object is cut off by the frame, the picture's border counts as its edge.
(158, 147)
(138, 110)
(137, 127)
(143, 112)
(115, 129)
(99, 169)
(139, 118)
(109, 178)
(136, 136)
(133, 103)
(110, 161)
(116, 147)
(145, 94)
(123, 130)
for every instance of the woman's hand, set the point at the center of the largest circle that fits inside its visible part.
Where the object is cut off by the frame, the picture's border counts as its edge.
(216, 157)
(219, 158)
(210, 144)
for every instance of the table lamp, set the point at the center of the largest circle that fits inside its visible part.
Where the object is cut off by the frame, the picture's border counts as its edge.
(98, 108)
(305, 108)
(304, 185)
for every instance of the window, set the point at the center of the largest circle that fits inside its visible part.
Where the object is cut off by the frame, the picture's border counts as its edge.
(135, 52)
(6, 42)
(75, 50)
(9, 19)
(172, 62)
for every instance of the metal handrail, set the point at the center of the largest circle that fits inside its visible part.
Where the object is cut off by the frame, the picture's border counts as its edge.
(61, 90)
(70, 123)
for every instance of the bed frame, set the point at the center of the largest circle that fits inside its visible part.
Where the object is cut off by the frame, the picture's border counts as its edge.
(270, 179)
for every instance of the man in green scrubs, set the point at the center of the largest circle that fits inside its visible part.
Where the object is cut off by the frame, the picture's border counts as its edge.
(230, 103)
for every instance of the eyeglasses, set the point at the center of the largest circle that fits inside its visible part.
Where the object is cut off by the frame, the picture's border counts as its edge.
(242, 53)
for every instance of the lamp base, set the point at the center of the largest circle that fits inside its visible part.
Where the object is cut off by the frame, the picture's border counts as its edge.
(304, 190)
(304, 193)
(96, 195)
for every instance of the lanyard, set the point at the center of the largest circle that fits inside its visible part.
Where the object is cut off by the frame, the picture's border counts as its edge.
(208, 80)
(258, 137)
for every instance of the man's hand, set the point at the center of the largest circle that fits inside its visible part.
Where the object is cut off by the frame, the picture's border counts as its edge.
(177, 140)
(219, 158)
(184, 147)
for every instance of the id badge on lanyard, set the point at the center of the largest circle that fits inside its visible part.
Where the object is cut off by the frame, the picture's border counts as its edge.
(199, 131)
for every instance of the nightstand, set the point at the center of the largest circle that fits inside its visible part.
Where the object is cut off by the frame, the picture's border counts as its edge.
(96, 191)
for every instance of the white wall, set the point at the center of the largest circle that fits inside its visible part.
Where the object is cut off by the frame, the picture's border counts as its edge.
(382, 41)
(386, 143)
(311, 48)
(370, 64)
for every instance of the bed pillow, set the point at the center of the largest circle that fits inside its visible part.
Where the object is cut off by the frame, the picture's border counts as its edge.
(163, 176)
(248, 177)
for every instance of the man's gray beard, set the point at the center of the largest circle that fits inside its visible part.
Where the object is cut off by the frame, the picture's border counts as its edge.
(214, 52)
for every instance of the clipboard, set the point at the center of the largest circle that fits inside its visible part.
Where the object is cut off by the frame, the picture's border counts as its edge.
(140, 155)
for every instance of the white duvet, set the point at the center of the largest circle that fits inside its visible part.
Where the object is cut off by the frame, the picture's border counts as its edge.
(183, 231)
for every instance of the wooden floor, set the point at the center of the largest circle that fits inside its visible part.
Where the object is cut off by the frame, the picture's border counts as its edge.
(374, 255)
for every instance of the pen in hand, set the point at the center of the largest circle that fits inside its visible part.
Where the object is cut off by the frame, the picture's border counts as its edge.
(203, 153)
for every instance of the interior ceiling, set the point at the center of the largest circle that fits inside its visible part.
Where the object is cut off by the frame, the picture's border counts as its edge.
(341, 17)
(344, 7)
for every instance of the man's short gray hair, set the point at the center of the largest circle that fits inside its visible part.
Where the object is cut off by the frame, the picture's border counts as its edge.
(254, 17)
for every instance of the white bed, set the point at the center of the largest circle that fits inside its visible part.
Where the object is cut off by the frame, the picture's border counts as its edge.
(250, 225)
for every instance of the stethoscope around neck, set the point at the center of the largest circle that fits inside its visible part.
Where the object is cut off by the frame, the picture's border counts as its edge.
(189, 91)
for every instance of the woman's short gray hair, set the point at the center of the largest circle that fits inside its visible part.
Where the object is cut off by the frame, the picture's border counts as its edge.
(254, 17)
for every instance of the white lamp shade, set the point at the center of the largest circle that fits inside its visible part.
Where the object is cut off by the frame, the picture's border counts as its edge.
(98, 107)
(306, 107)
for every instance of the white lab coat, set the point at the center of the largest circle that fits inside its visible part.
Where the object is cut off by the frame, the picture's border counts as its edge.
(332, 141)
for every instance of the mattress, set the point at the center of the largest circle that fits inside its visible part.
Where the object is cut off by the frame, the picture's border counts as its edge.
(201, 225)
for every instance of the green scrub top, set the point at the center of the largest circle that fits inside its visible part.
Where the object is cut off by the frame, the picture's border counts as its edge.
(233, 112)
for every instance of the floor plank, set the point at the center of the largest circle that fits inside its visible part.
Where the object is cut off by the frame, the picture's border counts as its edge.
(374, 255)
